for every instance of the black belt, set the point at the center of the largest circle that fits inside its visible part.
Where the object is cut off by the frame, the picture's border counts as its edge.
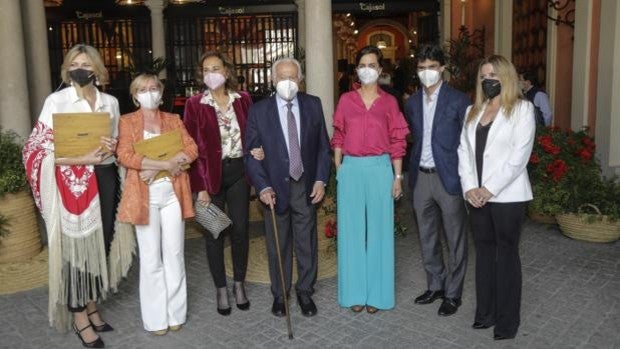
(427, 170)
(231, 160)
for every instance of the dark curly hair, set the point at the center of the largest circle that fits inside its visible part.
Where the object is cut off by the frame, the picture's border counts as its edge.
(430, 52)
(368, 50)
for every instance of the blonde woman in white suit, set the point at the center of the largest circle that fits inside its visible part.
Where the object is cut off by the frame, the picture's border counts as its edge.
(496, 142)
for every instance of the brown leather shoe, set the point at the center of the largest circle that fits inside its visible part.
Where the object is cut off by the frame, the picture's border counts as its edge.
(357, 308)
(371, 309)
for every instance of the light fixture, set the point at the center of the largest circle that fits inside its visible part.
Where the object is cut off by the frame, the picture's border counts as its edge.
(119, 55)
(352, 24)
(52, 3)
(348, 15)
(129, 2)
(381, 43)
(356, 31)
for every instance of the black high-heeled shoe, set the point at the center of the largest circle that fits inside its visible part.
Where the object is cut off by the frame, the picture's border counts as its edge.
(97, 343)
(241, 306)
(223, 308)
(100, 328)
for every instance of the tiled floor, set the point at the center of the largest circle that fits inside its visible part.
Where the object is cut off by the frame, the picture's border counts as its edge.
(571, 299)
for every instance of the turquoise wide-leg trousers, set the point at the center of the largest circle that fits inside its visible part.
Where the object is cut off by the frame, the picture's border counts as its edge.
(366, 232)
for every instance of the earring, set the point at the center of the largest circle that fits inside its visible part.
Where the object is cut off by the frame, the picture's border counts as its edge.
(97, 82)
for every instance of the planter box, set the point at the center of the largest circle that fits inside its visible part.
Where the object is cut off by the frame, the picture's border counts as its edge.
(576, 226)
(24, 239)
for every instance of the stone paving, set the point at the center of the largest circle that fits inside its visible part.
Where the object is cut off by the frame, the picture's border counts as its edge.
(571, 299)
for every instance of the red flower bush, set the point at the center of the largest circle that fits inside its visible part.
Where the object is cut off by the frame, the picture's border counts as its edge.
(565, 174)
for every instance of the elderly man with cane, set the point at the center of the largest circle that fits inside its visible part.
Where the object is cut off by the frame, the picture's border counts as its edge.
(290, 180)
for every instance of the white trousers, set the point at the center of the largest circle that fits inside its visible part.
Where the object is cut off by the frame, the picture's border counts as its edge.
(163, 290)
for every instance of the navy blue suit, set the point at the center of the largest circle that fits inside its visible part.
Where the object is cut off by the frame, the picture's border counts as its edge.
(437, 194)
(446, 135)
(296, 215)
(264, 130)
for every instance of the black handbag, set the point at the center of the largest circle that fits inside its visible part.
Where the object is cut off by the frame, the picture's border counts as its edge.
(211, 218)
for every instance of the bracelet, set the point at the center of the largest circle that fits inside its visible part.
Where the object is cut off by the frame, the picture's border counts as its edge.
(399, 176)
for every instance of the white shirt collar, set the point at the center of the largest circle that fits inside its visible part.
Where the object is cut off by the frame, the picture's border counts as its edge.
(282, 102)
(73, 97)
(435, 93)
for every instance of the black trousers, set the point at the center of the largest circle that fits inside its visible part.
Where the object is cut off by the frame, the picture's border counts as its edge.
(496, 228)
(234, 194)
(109, 194)
(296, 229)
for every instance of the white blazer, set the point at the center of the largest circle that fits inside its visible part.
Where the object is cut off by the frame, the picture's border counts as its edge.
(506, 154)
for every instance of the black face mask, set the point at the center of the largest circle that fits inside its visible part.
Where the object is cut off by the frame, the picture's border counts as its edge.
(81, 76)
(491, 88)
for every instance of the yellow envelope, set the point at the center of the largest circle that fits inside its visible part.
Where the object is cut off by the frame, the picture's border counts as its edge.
(76, 134)
(162, 147)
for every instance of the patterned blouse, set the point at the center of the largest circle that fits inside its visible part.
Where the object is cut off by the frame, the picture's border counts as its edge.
(230, 132)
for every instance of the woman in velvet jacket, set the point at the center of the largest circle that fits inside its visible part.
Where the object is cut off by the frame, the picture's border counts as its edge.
(216, 119)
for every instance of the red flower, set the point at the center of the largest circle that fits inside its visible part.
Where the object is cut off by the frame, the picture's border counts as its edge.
(571, 141)
(331, 229)
(534, 159)
(545, 140)
(551, 149)
(557, 169)
(585, 154)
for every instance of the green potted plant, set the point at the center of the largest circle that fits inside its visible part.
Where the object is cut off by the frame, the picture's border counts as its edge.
(20, 238)
(567, 181)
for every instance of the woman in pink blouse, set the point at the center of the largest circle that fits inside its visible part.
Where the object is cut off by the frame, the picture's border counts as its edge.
(369, 144)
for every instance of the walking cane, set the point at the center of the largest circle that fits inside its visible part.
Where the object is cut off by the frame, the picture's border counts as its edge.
(275, 233)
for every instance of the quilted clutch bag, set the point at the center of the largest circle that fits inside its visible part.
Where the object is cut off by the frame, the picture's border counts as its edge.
(212, 218)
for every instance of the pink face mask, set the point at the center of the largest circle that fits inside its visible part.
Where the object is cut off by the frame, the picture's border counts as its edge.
(214, 80)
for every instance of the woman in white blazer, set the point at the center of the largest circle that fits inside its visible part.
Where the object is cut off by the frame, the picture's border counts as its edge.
(496, 143)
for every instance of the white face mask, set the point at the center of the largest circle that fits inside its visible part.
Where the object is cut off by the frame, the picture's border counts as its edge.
(367, 75)
(429, 77)
(149, 99)
(287, 89)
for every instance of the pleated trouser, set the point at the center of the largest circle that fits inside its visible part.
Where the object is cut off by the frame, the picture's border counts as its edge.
(163, 290)
(366, 232)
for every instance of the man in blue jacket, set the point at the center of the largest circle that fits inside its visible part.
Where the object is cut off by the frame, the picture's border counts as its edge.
(436, 114)
(290, 128)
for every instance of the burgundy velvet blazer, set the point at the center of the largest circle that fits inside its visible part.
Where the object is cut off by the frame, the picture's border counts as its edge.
(201, 123)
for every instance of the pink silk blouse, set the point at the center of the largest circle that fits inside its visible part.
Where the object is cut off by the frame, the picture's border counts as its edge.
(369, 132)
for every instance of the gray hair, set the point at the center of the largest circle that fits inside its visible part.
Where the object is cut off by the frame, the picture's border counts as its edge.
(300, 75)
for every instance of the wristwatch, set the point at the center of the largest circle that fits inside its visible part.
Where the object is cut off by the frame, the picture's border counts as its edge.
(399, 176)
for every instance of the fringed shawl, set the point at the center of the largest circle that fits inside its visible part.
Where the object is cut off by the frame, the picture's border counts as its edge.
(68, 199)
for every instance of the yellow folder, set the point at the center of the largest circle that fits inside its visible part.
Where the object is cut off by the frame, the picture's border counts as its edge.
(76, 134)
(162, 147)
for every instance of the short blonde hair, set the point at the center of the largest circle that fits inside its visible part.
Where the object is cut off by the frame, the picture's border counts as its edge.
(508, 78)
(140, 81)
(93, 56)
